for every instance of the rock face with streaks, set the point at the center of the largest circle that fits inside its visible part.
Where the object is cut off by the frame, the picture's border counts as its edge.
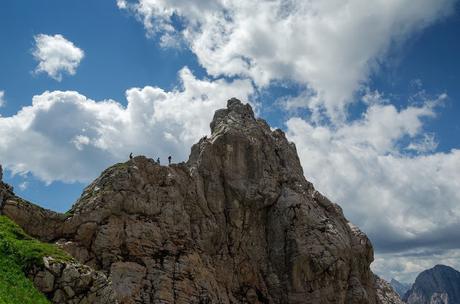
(236, 223)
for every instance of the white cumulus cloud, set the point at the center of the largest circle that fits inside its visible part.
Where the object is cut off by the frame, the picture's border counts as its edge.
(56, 55)
(329, 46)
(68, 137)
(406, 203)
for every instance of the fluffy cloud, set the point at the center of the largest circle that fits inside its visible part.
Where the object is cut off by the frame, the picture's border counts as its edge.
(2, 98)
(68, 137)
(329, 46)
(56, 56)
(404, 202)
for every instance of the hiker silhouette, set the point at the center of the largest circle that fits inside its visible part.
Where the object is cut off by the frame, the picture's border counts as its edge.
(169, 159)
(131, 155)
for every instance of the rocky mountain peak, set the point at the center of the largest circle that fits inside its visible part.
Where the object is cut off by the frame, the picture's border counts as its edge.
(237, 223)
(438, 285)
(442, 269)
(247, 152)
(236, 114)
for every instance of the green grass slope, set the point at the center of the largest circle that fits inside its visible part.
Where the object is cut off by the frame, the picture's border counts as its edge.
(18, 252)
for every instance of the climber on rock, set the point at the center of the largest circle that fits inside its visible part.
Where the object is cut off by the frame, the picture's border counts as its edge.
(169, 159)
(131, 155)
(158, 160)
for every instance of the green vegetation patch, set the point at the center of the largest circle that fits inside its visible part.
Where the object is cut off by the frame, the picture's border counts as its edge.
(18, 253)
(15, 287)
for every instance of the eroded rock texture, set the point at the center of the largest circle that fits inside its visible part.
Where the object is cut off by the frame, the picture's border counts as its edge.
(237, 223)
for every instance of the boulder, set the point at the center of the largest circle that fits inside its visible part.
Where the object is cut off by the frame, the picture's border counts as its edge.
(68, 282)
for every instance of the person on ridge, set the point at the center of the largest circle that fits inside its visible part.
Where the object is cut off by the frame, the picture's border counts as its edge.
(169, 159)
(158, 160)
(131, 155)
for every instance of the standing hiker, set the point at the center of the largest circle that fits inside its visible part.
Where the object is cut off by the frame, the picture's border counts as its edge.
(169, 159)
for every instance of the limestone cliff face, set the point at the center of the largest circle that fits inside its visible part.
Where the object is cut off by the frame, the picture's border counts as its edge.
(237, 223)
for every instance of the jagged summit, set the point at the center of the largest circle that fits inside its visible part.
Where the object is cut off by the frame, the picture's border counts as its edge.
(236, 223)
(236, 115)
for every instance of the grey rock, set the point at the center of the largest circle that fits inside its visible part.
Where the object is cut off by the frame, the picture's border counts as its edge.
(59, 296)
(69, 291)
(68, 282)
(44, 281)
(129, 281)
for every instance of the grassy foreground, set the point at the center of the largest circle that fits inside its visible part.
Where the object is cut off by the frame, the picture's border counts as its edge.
(18, 252)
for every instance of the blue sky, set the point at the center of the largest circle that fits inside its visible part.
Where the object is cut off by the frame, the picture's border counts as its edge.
(371, 100)
(119, 57)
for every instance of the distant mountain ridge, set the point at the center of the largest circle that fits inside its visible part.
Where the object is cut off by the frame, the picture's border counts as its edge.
(438, 285)
(400, 288)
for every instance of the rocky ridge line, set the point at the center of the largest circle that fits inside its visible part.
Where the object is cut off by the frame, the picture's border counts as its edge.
(237, 223)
